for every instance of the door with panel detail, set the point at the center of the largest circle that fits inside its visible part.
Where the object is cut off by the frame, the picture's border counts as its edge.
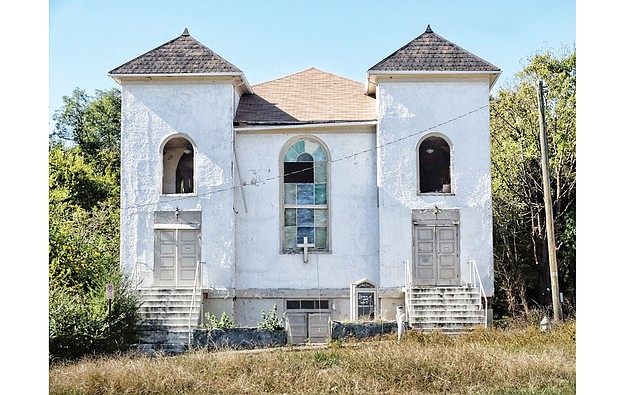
(318, 327)
(165, 258)
(436, 258)
(177, 253)
(188, 257)
(297, 328)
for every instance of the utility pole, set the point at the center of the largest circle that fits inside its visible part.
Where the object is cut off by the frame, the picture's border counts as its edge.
(553, 265)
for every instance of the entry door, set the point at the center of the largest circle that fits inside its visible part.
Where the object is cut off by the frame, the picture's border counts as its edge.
(297, 327)
(318, 327)
(312, 327)
(176, 257)
(436, 255)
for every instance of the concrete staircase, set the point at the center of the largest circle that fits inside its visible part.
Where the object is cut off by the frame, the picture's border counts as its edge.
(451, 310)
(166, 323)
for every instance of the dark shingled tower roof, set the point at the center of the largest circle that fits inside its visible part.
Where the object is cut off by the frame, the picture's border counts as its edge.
(431, 52)
(182, 55)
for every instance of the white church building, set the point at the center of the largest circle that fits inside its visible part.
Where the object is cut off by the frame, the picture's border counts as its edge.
(329, 198)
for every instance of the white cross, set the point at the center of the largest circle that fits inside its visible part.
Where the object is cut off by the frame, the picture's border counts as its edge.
(305, 245)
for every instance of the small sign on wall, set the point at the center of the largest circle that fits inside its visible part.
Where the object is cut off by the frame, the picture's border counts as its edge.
(109, 291)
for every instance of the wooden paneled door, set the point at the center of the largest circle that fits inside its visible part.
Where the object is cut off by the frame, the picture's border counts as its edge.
(177, 252)
(436, 258)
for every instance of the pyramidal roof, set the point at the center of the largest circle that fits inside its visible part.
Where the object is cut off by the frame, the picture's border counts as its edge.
(309, 96)
(182, 55)
(431, 52)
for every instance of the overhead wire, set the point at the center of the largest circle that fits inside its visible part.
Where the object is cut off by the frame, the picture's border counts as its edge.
(277, 177)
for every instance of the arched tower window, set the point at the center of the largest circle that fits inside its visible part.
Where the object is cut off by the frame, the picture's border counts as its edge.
(305, 195)
(434, 169)
(178, 166)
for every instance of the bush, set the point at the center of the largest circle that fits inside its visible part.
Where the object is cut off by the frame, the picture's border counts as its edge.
(79, 323)
(271, 322)
(211, 321)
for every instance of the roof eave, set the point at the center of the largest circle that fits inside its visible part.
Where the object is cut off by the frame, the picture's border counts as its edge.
(245, 126)
(373, 75)
(243, 85)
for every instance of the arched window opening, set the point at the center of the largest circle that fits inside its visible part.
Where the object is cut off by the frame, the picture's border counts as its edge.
(434, 166)
(305, 188)
(178, 167)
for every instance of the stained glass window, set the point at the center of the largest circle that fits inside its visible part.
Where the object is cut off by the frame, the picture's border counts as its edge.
(305, 198)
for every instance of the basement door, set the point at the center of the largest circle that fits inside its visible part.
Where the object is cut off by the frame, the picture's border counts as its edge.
(177, 253)
(436, 258)
(310, 327)
(307, 321)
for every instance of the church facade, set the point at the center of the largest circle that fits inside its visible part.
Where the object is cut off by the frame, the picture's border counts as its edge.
(326, 197)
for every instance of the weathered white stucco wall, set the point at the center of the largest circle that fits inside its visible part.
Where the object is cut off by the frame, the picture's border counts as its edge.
(353, 211)
(407, 112)
(370, 226)
(152, 113)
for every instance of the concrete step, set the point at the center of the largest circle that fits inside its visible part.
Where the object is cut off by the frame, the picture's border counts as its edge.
(165, 321)
(172, 308)
(448, 313)
(445, 327)
(447, 309)
(444, 306)
(442, 319)
(163, 318)
(428, 296)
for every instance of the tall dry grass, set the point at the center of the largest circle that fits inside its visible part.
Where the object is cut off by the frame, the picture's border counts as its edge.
(517, 361)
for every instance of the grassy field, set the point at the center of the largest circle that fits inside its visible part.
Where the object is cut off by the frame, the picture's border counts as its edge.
(516, 361)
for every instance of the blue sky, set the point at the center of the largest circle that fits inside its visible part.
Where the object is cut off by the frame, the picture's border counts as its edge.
(271, 39)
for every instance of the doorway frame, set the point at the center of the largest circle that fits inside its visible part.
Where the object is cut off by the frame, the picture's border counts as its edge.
(177, 220)
(436, 218)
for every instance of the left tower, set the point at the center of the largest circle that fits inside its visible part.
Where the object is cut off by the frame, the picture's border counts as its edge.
(177, 164)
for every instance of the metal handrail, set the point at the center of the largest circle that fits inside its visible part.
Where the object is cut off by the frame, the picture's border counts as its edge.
(408, 291)
(408, 276)
(474, 278)
(134, 274)
(197, 276)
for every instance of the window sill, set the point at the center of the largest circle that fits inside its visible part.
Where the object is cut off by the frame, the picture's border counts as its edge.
(178, 194)
(301, 252)
(436, 194)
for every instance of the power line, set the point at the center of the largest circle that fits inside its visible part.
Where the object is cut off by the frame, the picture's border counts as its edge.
(277, 177)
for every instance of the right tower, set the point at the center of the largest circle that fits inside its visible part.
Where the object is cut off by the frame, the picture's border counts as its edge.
(433, 164)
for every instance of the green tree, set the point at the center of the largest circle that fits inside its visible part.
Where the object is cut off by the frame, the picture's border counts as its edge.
(520, 241)
(84, 228)
(76, 182)
(93, 124)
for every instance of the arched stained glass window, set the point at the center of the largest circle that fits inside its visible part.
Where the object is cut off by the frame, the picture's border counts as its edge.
(305, 188)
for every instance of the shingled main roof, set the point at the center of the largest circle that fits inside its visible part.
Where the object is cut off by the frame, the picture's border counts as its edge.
(182, 55)
(310, 96)
(429, 52)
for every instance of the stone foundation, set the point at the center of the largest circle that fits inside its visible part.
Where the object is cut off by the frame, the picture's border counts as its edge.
(361, 330)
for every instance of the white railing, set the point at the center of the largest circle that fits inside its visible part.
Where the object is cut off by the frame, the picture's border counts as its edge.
(408, 274)
(197, 285)
(474, 280)
(408, 290)
(135, 273)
